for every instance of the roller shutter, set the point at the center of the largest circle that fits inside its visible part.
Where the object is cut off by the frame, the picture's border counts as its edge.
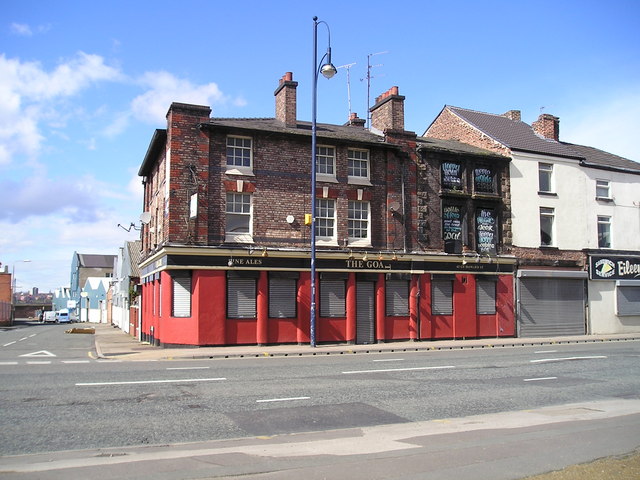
(551, 306)
(332, 298)
(441, 296)
(486, 296)
(397, 298)
(181, 301)
(365, 313)
(282, 297)
(241, 297)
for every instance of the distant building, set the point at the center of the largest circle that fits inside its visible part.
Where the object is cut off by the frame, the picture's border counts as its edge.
(84, 266)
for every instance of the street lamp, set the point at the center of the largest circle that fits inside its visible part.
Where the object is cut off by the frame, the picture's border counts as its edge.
(328, 70)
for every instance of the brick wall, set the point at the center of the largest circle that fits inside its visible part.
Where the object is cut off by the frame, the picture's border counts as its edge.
(450, 127)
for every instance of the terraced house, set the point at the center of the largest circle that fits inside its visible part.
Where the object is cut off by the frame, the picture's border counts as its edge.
(413, 234)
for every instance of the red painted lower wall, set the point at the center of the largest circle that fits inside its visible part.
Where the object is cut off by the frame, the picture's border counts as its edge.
(209, 325)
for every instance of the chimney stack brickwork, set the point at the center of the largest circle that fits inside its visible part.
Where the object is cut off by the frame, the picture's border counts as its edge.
(286, 103)
(548, 126)
(388, 112)
(514, 115)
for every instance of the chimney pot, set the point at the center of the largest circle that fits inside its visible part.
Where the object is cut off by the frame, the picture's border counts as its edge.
(286, 104)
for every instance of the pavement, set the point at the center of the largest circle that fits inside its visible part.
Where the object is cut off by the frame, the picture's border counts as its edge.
(113, 343)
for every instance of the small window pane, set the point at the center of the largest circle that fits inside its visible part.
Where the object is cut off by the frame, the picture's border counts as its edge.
(239, 152)
(358, 221)
(604, 232)
(325, 160)
(546, 226)
(358, 163)
(545, 171)
(602, 189)
(325, 217)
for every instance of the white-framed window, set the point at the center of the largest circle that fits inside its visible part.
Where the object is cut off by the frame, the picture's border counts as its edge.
(547, 216)
(326, 221)
(358, 224)
(604, 231)
(358, 170)
(545, 177)
(325, 163)
(239, 218)
(603, 189)
(181, 300)
(239, 155)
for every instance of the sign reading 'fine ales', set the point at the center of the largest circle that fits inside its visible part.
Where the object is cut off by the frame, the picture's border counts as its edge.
(614, 267)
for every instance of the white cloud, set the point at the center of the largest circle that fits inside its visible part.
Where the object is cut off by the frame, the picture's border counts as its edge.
(165, 88)
(28, 96)
(610, 124)
(21, 29)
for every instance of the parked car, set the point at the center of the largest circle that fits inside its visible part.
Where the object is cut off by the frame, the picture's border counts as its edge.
(62, 316)
(48, 317)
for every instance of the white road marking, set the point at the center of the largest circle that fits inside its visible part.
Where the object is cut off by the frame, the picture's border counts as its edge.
(76, 361)
(8, 363)
(41, 353)
(390, 360)
(282, 399)
(143, 382)
(10, 343)
(40, 362)
(564, 359)
(539, 379)
(400, 369)
(187, 368)
(32, 335)
(23, 338)
(546, 351)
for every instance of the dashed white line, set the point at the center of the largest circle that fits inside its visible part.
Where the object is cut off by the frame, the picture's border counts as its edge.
(10, 343)
(290, 399)
(23, 338)
(144, 382)
(32, 335)
(546, 351)
(41, 362)
(564, 359)
(76, 361)
(187, 368)
(400, 369)
(390, 360)
(539, 379)
(8, 363)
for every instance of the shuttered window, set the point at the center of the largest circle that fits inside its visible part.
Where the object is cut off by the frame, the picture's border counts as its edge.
(442, 296)
(332, 298)
(241, 297)
(181, 301)
(628, 300)
(486, 296)
(283, 292)
(397, 298)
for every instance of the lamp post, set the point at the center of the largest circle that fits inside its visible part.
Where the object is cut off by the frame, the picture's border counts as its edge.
(328, 70)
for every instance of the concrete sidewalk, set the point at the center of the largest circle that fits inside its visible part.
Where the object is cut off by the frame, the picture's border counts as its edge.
(113, 343)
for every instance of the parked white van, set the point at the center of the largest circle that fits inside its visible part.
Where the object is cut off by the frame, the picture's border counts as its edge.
(49, 317)
(62, 316)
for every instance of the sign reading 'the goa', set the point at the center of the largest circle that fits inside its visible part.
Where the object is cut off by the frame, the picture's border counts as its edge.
(614, 267)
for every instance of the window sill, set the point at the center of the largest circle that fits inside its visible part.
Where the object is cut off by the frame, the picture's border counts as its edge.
(323, 177)
(548, 194)
(238, 238)
(547, 247)
(240, 171)
(359, 181)
(359, 243)
(604, 199)
(326, 242)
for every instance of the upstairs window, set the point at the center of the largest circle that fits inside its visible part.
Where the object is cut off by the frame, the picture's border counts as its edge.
(326, 220)
(484, 180)
(545, 178)
(238, 218)
(604, 232)
(326, 163)
(358, 166)
(239, 156)
(547, 216)
(358, 223)
(603, 189)
(451, 176)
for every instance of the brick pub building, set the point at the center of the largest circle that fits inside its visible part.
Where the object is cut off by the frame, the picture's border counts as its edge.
(411, 232)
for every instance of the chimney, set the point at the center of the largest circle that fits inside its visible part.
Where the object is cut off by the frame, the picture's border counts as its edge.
(388, 112)
(513, 115)
(354, 121)
(286, 100)
(548, 126)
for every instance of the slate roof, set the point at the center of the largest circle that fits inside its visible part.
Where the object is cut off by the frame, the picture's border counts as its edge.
(457, 147)
(96, 261)
(135, 254)
(519, 136)
(327, 131)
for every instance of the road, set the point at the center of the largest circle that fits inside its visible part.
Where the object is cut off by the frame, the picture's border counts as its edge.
(62, 399)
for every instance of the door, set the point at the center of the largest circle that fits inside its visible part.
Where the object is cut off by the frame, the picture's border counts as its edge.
(365, 312)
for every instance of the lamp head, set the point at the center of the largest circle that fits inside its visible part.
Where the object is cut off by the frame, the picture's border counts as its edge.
(328, 70)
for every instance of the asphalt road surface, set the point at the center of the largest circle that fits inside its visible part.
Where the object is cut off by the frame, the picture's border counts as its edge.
(56, 397)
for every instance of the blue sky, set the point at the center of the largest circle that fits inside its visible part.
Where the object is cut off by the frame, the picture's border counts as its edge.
(83, 85)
